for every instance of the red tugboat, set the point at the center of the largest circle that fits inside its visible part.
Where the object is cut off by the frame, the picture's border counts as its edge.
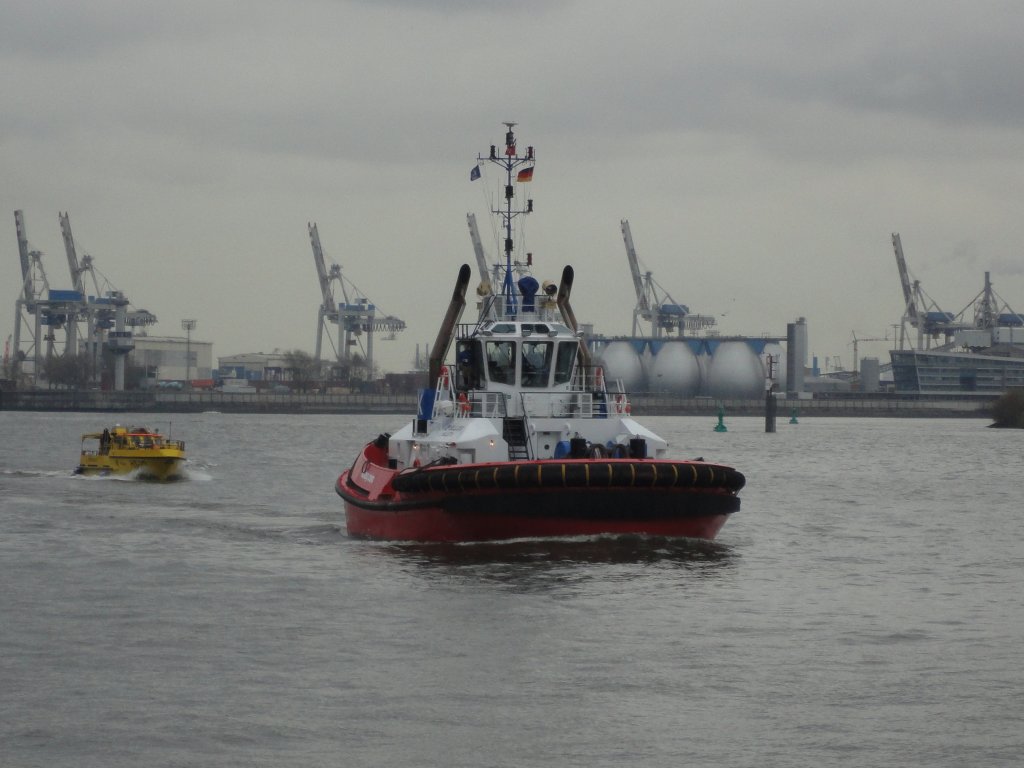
(520, 436)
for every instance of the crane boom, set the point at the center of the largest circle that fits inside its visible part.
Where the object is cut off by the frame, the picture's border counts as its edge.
(634, 268)
(72, 254)
(910, 304)
(478, 249)
(28, 287)
(321, 269)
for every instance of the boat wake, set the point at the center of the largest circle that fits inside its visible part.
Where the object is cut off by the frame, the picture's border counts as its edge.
(197, 473)
(136, 476)
(562, 550)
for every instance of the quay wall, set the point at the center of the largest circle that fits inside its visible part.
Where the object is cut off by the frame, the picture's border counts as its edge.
(405, 404)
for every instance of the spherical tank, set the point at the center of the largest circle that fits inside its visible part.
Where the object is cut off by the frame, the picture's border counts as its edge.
(621, 363)
(646, 364)
(735, 372)
(675, 369)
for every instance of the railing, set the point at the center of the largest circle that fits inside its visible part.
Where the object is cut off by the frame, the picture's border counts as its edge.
(490, 405)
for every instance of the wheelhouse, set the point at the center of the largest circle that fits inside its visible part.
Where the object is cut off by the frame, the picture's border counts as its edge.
(512, 355)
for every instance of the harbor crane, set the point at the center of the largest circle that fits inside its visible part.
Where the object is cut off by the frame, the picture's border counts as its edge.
(990, 311)
(484, 288)
(920, 312)
(103, 292)
(43, 310)
(654, 304)
(105, 311)
(354, 316)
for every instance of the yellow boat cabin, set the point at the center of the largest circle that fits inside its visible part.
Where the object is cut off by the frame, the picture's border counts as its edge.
(123, 450)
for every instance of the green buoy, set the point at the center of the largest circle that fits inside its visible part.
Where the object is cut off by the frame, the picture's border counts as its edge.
(720, 426)
(792, 418)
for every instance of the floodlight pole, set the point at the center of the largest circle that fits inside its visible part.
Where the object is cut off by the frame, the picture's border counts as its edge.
(188, 326)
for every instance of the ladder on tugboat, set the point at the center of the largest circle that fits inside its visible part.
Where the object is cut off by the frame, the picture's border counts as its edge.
(513, 431)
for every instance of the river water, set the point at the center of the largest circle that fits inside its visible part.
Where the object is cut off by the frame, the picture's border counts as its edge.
(864, 607)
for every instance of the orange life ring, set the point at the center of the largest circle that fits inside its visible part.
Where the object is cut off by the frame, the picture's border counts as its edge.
(464, 405)
(618, 404)
(445, 380)
(599, 378)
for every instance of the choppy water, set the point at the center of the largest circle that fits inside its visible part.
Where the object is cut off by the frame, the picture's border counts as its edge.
(864, 607)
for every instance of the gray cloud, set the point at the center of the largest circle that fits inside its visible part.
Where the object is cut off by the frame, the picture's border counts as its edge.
(760, 150)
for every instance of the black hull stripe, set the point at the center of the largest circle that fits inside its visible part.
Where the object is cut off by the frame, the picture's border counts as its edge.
(580, 503)
(557, 474)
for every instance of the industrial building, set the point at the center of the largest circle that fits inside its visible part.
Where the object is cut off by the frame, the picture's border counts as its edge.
(252, 366)
(172, 359)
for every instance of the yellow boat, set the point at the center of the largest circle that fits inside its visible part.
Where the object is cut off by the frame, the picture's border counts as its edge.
(122, 450)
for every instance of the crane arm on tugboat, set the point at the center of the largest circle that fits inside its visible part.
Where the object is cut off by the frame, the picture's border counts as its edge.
(447, 329)
(564, 289)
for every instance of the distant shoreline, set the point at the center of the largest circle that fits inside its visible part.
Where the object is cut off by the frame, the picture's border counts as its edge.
(902, 406)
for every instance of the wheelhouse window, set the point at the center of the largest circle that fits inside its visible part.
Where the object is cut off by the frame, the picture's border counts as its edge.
(567, 352)
(536, 363)
(501, 361)
(468, 369)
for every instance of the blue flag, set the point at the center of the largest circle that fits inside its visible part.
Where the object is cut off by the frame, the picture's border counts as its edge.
(475, 173)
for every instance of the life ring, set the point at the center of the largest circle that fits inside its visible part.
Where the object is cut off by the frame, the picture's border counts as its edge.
(619, 406)
(464, 406)
(446, 381)
(599, 378)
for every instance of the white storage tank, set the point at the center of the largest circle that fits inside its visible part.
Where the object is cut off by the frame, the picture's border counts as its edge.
(675, 370)
(647, 364)
(735, 372)
(622, 363)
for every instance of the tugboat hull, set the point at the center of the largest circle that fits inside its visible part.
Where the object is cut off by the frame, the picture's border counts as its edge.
(540, 499)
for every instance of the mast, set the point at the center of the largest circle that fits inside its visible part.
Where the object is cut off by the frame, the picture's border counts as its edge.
(510, 161)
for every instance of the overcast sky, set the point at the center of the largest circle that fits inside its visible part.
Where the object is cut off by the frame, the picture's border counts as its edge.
(763, 153)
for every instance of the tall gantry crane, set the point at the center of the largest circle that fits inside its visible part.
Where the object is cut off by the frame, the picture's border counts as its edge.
(484, 290)
(47, 311)
(104, 295)
(481, 258)
(34, 289)
(920, 312)
(985, 312)
(990, 311)
(654, 304)
(354, 317)
(105, 311)
(43, 310)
